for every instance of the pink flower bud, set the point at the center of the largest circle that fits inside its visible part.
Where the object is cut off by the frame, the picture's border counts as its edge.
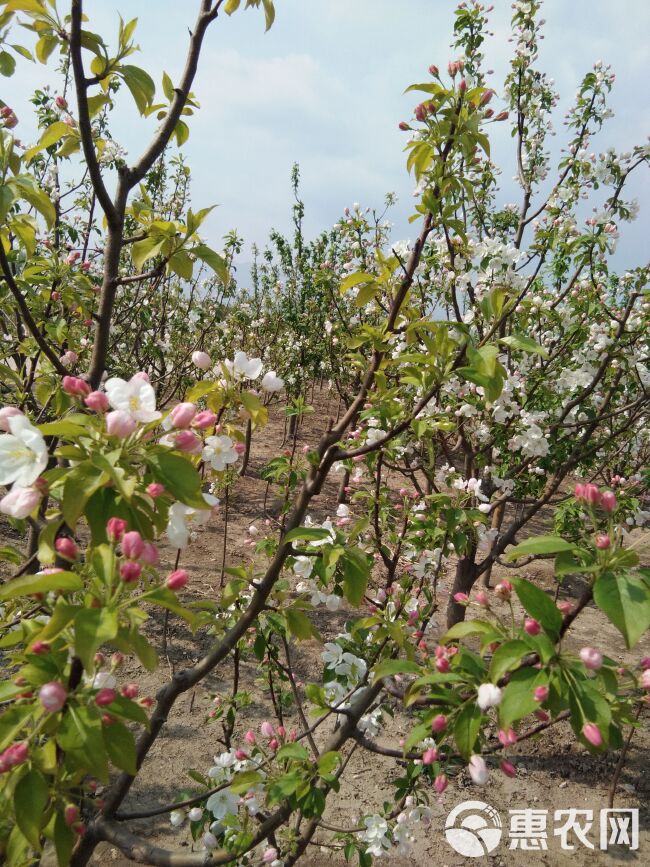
(503, 115)
(442, 665)
(608, 502)
(420, 112)
(645, 662)
(62, 103)
(531, 626)
(503, 589)
(540, 693)
(452, 68)
(645, 679)
(182, 415)
(249, 737)
(433, 69)
(564, 606)
(39, 648)
(66, 548)
(270, 855)
(240, 448)
(429, 756)
(588, 493)
(71, 814)
(68, 359)
(53, 696)
(440, 783)
(274, 743)
(75, 386)
(117, 660)
(603, 542)
(141, 374)
(155, 489)
(267, 729)
(204, 419)
(20, 502)
(201, 360)
(486, 97)
(131, 690)
(14, 755)
(150, 554)
(462, 85)
(188, 441)
(120, 424)
(508, 768)
(177, 579)
(132, 545)
(241, 755)
(115, 528)
(6, 413)
(105, 696)
(482, 598)
(438, 724)
(97, 401)
(130, 571)
(507, 738)
(403, 126)
(461, 598)
(478, 770)
(591, 658)
(591, 733)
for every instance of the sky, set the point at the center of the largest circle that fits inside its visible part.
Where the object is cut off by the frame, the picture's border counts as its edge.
(325, 88)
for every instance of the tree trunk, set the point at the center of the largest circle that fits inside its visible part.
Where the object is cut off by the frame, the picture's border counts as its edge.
(497, 520)
(463, 582)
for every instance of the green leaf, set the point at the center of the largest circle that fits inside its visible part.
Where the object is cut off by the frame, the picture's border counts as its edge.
(466, 729)
(506, 657)
(328, 763)
(80, 484)
(141, 85)
(299, 624)
(527, 344)
(245, 780)
(539, 605)
(469, 627)
(80, 737)
(144, 651)
(120, 746)
(181, 264)
(625, 600)
(390, 667)
(356, 279)
(356, 571)
(269, 13)
(147, 248)
(27, 585)
(30, 800)
(214, 260)
(93, 627)
(64, 840)
(167, 599)
(168, 87)
(53, 134)
(292, 751)
(179, 476)
(307, 534)
(518, 700)
(8, 64)
(540, 545)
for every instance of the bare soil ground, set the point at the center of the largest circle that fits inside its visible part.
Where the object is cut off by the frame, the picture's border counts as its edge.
(554, 772)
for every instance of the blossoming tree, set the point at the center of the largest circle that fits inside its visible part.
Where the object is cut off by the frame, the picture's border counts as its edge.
(489, 367)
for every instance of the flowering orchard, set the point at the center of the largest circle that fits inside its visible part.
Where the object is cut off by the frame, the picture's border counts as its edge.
(497, 368)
